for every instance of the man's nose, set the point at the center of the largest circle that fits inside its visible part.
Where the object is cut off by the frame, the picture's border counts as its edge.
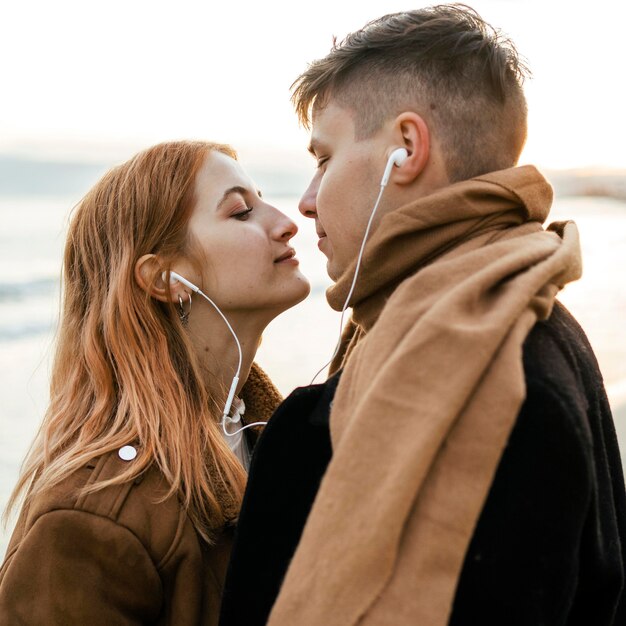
(308, 203)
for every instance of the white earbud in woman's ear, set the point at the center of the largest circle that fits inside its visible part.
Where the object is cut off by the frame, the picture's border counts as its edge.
(172, 279)
(177, 278)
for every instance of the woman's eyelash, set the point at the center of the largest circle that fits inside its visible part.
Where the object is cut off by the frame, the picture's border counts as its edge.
(321, 162)
(243, 215)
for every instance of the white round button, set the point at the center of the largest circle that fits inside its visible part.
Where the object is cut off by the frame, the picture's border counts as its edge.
(127, 453)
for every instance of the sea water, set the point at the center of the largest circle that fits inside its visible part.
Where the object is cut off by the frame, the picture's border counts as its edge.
(295, 345)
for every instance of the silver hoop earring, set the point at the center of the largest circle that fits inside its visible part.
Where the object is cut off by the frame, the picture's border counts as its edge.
(184, 315)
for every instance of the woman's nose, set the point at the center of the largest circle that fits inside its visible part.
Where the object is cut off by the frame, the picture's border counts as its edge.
(284, 228)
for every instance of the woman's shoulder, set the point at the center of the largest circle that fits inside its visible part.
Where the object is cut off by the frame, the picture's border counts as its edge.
(141, 506)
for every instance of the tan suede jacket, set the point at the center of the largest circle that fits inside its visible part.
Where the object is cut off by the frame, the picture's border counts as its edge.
(115, 557)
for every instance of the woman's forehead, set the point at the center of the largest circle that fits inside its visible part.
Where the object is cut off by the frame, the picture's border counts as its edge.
(219, 175)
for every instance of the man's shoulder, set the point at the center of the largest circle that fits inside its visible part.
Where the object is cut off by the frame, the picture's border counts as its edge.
(307, 405)
(557, 354)
(565, 396)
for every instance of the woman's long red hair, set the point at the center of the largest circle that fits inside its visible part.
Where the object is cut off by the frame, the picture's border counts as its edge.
(124, 370)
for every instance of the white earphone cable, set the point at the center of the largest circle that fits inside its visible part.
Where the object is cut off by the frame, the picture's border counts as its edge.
(356, 274)
(235, 382)
(397, 157)
(233, 385)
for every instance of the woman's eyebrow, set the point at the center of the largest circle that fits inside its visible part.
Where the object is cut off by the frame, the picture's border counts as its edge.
(230, 191)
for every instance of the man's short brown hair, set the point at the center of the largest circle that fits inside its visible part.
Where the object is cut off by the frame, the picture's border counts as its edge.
(443, 62)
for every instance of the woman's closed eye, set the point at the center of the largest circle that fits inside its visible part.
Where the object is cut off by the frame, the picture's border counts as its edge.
(242, 215)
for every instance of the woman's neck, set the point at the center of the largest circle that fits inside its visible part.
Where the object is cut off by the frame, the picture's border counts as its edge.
(216, 348)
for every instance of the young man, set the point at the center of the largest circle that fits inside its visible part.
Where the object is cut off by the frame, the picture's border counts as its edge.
(460, 466)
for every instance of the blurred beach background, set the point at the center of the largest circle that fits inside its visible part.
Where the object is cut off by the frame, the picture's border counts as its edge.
(88, 87)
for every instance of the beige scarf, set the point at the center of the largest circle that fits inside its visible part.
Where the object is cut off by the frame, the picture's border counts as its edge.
(450, 287)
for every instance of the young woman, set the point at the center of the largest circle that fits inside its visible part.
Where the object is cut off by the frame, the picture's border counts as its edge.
(132, 485)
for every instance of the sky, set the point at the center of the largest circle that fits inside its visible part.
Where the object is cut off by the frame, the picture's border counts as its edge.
(101, 79)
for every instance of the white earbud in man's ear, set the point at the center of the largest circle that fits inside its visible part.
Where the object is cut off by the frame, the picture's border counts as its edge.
(397, 157)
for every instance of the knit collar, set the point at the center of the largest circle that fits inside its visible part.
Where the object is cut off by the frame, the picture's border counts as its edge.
(258, 399)
(413, 235)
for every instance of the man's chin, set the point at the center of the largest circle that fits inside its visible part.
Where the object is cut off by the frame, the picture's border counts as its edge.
(333, 272)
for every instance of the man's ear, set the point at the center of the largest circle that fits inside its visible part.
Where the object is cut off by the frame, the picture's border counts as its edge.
(411, 132)
(146, 268)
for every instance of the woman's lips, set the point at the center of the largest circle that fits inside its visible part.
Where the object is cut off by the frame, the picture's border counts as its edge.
(289, 258)
(290, 261)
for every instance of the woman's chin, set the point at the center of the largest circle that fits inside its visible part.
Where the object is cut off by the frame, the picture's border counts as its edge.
(282, 297)
(299, 292)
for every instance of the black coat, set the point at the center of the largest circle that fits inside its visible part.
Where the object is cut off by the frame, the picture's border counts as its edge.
(550, 544)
